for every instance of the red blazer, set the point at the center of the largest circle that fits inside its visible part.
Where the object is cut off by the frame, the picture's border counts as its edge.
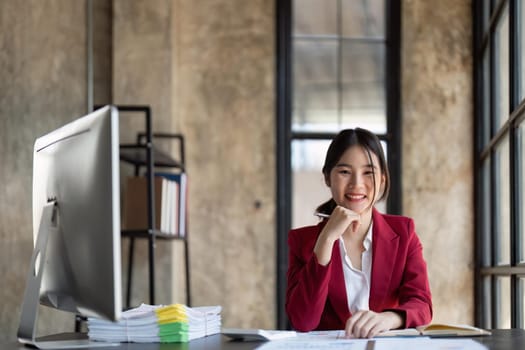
(316, 294)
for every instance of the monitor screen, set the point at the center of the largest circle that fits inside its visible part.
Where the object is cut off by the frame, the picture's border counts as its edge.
(76, 217)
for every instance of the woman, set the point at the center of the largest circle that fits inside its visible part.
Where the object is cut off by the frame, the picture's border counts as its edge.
(358, 269)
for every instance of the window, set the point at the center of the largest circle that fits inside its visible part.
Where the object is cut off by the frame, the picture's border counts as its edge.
(499, 121)
(337, 68)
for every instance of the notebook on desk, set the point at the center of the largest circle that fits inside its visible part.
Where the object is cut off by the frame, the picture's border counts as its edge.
(437, 330)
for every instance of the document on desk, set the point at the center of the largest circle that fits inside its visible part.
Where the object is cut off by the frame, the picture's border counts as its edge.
(321, 340)
(317, 340)
(427, 344)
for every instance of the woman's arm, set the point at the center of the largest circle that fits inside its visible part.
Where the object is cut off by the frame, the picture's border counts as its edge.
(309, 267)
(415, 299)
(340, 220)
(307, 287)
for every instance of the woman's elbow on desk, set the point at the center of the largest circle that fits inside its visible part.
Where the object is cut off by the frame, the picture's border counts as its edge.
(300, 319)
(303, 325)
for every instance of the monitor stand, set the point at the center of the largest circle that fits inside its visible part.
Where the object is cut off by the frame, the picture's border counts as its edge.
(29, 315)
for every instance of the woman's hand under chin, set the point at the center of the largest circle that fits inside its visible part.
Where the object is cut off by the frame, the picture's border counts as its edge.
(338, 222)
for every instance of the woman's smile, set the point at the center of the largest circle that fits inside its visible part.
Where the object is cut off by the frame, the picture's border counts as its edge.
(355, 197)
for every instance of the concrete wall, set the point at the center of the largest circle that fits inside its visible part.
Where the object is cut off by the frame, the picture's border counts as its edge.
(207, 70)
(208, 66)
(43, 85)
(438, 147)
(226, 110)
(142, 64)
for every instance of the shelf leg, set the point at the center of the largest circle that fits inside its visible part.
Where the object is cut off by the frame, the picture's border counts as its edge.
(130, 270)
(187, 263)
(152, 269)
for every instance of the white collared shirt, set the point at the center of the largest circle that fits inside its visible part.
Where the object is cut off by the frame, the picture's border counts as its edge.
(358, 282)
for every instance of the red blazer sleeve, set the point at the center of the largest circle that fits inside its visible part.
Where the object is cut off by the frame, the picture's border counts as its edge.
(414, 294)
(408, 289)
(308, 281)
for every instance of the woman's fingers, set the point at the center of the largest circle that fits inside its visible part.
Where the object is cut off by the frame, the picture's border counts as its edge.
(345, 217)
(365, 324)
(356, 325)
(339, 221)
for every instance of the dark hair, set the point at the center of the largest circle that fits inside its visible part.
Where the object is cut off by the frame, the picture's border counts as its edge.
(343, 141)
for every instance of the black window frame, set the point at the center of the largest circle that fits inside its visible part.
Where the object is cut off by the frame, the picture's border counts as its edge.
(285, 135)
(486, 17)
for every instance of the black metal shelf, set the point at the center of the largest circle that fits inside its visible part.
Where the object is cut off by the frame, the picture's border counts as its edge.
(134, 156)
(143, 155)
(157, 233)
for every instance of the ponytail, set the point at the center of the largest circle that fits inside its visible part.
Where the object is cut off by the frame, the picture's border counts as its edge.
(327, 207)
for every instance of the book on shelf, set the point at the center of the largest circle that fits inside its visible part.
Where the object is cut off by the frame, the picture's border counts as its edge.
(437, 330)
(176, 323)
(181, 181)
(253, 334)
(170, 200)
(135, 207)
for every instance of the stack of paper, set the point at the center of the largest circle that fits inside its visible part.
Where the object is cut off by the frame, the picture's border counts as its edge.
(158, 324)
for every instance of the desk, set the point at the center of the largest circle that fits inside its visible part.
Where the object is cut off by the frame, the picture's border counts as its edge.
(501, 339)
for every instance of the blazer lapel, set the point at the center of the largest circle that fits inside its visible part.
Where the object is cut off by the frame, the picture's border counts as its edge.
(385, 244)
(337, 288)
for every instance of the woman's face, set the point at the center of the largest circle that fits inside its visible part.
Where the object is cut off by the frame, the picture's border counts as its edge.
(351, 180)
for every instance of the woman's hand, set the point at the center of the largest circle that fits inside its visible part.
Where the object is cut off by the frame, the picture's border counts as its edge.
(367, 324)
(340, 220)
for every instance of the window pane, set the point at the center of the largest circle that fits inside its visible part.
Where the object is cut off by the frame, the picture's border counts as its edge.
(503, 300)
(485, 135)
(520, 165)
(315, 105)
(502, 68)
(486, 214)
(309, 189)
(364, 85)
(522, 53)
(486, 301)
(315, 17)
(381, 206)
(338, 83)
(486, 15)
(521, 306)
(502, 201)
(363, 19)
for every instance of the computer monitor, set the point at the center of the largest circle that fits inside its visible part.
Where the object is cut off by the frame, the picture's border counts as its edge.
(76, 263)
